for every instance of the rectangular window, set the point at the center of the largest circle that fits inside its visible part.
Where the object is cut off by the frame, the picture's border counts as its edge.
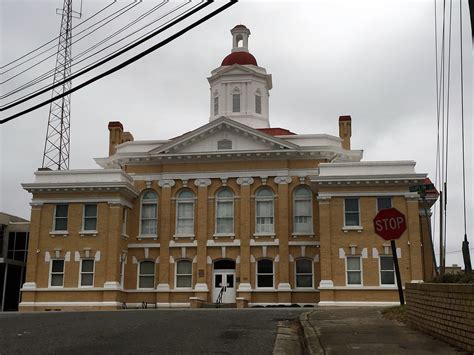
(146, 277)
(90, 217)
(258, 104)
(124, 220)
(225, 217)
(304, 273)
(264, 217)
(265, 273)
(216, 106)
(354, 276)
(17, 246)
(185, 220)
(351, 212)
(184, 273)
(383, 203)
(236, 103)
(87, 272)
(60, 218)
(57, 273)
(387, 270)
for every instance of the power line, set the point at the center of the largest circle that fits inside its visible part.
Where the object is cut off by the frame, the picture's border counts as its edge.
(136, 57)
(107, 59)
(47, 75)
(127, 8)
(55, 38)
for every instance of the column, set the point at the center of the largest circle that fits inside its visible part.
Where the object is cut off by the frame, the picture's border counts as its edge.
(201, 288)
(414, 237)
(164, 238)
(245, 232)
(112, 253)
(326, 284)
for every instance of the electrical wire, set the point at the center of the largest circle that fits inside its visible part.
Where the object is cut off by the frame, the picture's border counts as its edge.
(136, 57)
(57, 37)
(125, 10)
(50, 73)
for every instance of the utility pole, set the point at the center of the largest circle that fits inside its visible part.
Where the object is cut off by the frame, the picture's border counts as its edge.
(57, 144)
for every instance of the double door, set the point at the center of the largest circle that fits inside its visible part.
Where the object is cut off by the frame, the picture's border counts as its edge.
(224, 280)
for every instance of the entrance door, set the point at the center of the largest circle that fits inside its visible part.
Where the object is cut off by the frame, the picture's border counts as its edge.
(223, 279)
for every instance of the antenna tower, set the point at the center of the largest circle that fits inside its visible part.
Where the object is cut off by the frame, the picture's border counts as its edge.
(56, 147)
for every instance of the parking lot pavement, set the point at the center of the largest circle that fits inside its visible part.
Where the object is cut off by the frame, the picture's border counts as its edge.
(363, 330)
(186, 331)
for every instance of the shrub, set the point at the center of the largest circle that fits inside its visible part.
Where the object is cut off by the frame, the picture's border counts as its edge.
(454, 279)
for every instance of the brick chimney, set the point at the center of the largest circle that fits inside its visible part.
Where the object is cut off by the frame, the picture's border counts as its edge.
(345, 131)
(117, 136)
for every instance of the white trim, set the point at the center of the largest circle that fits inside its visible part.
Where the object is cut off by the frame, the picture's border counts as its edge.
(66, 304)
(212, 243)
(329, 194)
(224, 199)
(146, 275)
(50, 272)
(361, 271)
(143, 245)
(89, 231)
(70, 200)
(173, 305)
(274, 242)
(312, 273)
(264, 199)
(307, 188)
(151, 203)
(356, 304)
(173, 244)
(302, 242)
(380, 272)
(257, 273)
(358, 226)
(185, 288)
(185, 201)
(360, 288)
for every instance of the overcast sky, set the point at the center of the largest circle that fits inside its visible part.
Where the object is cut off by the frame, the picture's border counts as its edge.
(373, 60)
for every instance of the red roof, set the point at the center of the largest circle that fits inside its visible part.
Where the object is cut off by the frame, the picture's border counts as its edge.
(276, 131)
(242, 58)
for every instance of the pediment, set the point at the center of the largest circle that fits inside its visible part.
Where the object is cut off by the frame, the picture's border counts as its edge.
(223, 135)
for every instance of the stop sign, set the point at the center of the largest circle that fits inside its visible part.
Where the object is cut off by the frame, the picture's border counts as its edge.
(390, 223)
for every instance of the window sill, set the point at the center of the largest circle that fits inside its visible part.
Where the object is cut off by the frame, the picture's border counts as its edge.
(352, 228)
(183, 289)
(86, 233)
(59, 233)
(224, 235)
(257, 235)
(177, 236)
(56, 287)
(151, 289)
(146, 236)
(311, 235)
(354, 285)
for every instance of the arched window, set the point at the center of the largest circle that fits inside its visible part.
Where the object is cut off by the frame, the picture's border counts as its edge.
(302, 211)
(264, 210)
(184, 273)
(258, 102)
(149, 213)
(304, 273)
(236, 100)
(224, 211)
(185, 213)
(146, 274)
(265, 274)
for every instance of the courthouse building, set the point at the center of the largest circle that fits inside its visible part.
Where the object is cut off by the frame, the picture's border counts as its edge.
(256, 214)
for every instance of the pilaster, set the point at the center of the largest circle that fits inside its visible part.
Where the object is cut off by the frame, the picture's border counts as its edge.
(325, 248)
(165, 237)
(113, 239)
(414, 237)
(201, 237)
(283, 232)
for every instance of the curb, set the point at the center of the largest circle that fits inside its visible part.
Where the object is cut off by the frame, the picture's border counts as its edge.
(311, 339)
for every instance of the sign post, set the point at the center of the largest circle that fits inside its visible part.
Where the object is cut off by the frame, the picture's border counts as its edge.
(390, 224)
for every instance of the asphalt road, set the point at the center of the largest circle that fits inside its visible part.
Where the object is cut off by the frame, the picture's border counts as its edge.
(200, 331)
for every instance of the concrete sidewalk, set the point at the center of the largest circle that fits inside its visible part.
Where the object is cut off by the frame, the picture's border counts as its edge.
(363, 330)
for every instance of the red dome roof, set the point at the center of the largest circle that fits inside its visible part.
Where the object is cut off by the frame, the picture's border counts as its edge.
(242, 58)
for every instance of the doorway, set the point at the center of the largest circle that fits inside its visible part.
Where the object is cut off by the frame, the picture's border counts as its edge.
(223, 280)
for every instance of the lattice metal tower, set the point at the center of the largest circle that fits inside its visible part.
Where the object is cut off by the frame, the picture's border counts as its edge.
(56, 147)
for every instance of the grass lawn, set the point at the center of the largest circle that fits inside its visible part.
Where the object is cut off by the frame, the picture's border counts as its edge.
(397, 313)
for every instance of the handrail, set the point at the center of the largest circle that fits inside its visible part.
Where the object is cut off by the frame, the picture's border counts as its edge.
(221, 294)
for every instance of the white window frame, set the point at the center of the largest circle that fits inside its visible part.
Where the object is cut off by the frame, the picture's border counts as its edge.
(377, 202)
(55, 217)
(258, 106)
(224, 199)
(295, 199)
(257, 273)
(216, 105)
(125, 221)
(146, 275)
(176, 275)
(361, 271)
(81, 272)
(89, 217)
(51, 272)
(148, 202)
(186, 200)
(358, 226)
(380, 272)
(122, 271)
(265, 199)
(236, 93)
(312, 273)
